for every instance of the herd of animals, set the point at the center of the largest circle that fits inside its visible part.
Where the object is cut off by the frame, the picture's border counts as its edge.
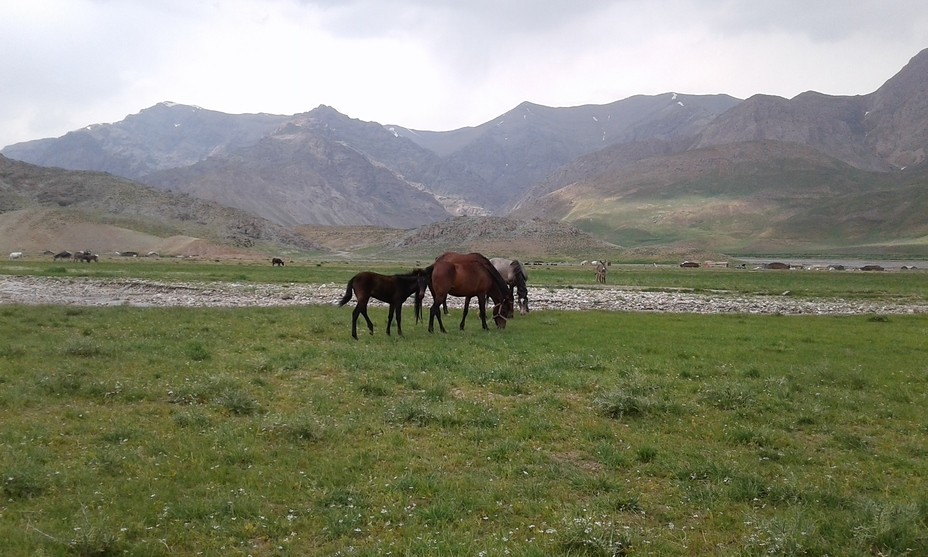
(82, 256)
(469, 275)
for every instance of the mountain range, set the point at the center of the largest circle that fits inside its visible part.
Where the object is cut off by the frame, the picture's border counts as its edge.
(766, 174)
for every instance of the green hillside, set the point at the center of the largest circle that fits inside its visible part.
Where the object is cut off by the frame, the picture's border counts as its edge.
(760, 197)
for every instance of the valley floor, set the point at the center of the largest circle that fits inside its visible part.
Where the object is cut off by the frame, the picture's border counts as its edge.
(30, 290)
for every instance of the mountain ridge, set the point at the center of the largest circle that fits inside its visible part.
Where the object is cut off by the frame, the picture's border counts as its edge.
(323, 167)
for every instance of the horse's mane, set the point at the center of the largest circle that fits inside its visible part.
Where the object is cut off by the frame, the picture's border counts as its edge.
(522, 271)
(497, 278)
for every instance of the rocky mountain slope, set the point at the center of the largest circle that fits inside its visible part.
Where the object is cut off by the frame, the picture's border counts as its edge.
(494, 236)
(53, 209)
(167, 135)
(761, 197)
(303, 173)
(882, 131)
(519, 148)
(300, 170)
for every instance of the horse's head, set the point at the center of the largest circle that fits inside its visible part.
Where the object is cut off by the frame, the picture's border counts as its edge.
(502, 312)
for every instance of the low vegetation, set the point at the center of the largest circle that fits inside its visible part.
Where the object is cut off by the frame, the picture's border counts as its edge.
(268, 431)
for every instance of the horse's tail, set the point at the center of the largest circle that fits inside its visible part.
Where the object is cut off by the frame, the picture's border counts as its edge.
(348, 292)
(424, 278)
(521, 279)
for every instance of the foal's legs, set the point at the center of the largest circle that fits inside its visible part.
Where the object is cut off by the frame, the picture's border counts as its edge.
(360, 309)
(399, 308)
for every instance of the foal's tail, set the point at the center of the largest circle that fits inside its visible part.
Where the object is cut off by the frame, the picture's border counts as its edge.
(425, 278)
(348, 292)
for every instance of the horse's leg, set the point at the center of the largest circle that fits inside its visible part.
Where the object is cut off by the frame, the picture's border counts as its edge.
(361, 309)
(434, 312)
(399, 329)
(444, 305)
(466, 307)
(482, 304)
(390, 320)
(354, 321)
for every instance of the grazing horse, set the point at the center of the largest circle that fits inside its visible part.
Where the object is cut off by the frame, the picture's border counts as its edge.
(62, 255)
(277, 262)
(470, 275)
(392, 289)
(16, 255)
(515, 276)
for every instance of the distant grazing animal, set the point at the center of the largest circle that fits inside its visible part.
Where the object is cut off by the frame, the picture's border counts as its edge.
(16, 255)
(85, 257)
(515, 276)
(277, 262)
(601, 272)
(392, 289)
(466, 275)
(62, 255)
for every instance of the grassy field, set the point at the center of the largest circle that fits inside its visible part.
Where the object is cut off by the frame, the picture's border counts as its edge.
(268, 431)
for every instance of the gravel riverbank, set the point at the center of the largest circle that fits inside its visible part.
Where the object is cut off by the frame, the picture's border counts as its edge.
(29, 290)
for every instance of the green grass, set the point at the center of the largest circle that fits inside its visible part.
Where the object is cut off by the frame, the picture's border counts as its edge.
(269, 431)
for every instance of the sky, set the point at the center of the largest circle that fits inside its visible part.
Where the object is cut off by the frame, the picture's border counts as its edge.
(429, 64)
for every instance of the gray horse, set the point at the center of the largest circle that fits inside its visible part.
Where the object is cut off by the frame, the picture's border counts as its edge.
(515, 276)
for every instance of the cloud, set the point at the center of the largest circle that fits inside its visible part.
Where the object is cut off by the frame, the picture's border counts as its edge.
(429, 64)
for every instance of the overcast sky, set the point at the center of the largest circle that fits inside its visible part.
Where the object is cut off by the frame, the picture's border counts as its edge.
(429, 64)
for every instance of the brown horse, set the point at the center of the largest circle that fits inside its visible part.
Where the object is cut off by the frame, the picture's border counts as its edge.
(391, 289)
(514, 276)
(466, 275)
